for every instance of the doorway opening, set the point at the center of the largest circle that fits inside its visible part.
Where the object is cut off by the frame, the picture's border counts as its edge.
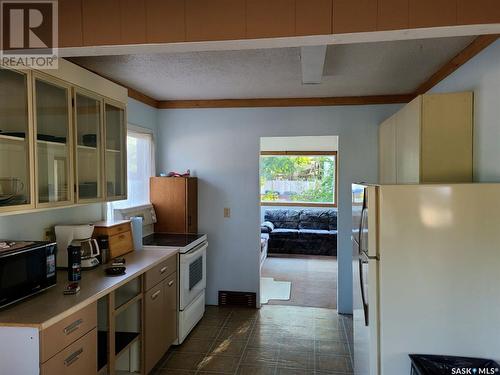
(298, 204)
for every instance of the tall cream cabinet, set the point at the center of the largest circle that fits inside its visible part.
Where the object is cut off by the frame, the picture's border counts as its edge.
(62, 138)
(428, 141)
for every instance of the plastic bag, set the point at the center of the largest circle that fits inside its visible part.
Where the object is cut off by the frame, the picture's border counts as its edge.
(448, 365)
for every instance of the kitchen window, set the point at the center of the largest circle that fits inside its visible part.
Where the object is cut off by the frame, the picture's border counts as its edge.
(298, 178)
(140, 167)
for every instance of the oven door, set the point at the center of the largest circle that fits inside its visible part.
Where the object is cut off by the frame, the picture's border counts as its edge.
(26, 272)
(193, 280)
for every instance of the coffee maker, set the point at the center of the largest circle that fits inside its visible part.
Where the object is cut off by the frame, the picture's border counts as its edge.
(79, 236)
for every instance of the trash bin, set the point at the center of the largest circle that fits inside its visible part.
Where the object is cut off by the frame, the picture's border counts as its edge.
(447, 365)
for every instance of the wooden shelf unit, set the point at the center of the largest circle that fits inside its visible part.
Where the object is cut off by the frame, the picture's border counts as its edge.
(175, 200)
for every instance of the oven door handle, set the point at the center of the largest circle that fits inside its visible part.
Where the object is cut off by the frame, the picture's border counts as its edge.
(194, 252)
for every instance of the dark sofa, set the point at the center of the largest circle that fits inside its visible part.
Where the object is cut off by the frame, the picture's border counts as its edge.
(301, 231)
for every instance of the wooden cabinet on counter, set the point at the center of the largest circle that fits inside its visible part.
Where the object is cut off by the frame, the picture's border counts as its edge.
(428, 141)
(160, 311)
(62, 138)
(119, 235)
(175, 200)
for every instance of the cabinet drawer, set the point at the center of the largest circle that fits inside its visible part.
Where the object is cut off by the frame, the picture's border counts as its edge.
(60, 335)
(120, 244)
(161, 271)
(80, 358)
(112, 231)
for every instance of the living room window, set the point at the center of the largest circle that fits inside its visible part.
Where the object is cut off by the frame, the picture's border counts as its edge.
(298, 178)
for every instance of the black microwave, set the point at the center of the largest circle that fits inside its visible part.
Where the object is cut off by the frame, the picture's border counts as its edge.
(26, 268)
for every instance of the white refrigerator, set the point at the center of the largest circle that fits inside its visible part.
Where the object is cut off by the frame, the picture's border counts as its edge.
(426, 273)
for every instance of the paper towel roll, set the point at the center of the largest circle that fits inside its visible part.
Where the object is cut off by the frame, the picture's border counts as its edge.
(136, 223)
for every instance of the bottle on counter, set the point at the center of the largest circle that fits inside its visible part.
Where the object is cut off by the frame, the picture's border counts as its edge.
(74, 263)
(103, 242)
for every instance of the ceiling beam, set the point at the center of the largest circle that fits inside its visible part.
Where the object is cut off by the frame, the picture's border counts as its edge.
(479, 44)
(143, 98)
(286, 102)
(312, 62)
(283, 42)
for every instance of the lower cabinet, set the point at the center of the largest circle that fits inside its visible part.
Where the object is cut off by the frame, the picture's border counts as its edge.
(79, 358)
(171, 308)
(160, 325)
(67, 331)
(69, 346)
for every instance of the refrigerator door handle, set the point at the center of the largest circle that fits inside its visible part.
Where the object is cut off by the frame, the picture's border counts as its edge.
(361, 283)
(360, 233)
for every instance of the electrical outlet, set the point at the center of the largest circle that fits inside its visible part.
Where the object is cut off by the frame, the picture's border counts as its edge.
(49, 234)
(227, 212)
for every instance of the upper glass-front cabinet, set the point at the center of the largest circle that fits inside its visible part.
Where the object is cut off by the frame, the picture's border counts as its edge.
(15, 161)
(60, 144)
(115, 151)
(53, 141)
(88, 122)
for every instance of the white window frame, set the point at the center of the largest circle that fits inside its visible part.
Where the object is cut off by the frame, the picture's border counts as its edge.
(132, 128)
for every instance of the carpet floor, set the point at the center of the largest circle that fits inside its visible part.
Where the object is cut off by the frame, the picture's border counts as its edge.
(313, 278)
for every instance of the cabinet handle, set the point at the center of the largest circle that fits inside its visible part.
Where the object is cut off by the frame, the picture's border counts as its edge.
(155, 294)
(171, 282)
(73, 357)
(163, 269)
(73, 326)
(121, 236)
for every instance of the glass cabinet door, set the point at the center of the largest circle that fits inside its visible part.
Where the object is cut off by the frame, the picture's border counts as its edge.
(88, 147)
(115, 152)
(53, 154)
(14, 140)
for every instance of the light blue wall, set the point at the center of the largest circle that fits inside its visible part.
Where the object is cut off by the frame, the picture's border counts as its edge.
(31, 226)
(142, 115)
(482, 75)
(221, 147)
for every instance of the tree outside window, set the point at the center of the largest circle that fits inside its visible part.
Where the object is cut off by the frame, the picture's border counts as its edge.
(298, 178)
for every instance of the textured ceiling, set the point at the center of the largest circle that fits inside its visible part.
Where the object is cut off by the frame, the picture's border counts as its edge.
(350, 70)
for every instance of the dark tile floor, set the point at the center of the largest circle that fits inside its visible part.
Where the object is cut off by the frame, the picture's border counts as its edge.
(273, 340)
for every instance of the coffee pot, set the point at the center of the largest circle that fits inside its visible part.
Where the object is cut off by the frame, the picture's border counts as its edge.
(89, 250)
(78, 236)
